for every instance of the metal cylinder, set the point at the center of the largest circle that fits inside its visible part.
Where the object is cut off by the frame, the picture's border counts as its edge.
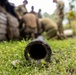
(38, 50)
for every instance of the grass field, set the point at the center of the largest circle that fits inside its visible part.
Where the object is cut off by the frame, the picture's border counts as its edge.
(63, 58)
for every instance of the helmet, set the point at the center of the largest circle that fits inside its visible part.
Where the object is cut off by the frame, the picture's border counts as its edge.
(25, 1)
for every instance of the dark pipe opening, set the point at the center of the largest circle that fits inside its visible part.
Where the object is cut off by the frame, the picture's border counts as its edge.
(37, 51)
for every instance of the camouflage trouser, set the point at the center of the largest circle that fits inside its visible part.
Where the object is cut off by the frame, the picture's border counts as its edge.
(60, 28)
(60, 25)
(51, 32)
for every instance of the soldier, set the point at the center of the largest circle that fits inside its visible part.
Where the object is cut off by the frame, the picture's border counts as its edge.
(59, 15)
(48, 26)
(21, 9)
(39, 14)
(30, 26)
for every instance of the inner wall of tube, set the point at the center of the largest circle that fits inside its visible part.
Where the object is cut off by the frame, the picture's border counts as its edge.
(37, 51)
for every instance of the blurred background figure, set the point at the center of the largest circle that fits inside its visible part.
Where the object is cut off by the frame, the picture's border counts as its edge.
(32, 10)
(39, 13)
(3, 2)
(25, 2)
(21, 10)
(60, 16)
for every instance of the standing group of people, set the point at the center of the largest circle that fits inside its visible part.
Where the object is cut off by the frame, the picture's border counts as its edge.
(21, 9)
(12, 10)
(59, 16)
(38, 14)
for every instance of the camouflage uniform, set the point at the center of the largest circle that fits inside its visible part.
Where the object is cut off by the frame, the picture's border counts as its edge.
(30, 26)
(60, 15)
(20, 10)
(48, 26)
(39, 14)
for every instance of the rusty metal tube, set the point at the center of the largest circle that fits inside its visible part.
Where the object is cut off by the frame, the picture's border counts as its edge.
(38, 50)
